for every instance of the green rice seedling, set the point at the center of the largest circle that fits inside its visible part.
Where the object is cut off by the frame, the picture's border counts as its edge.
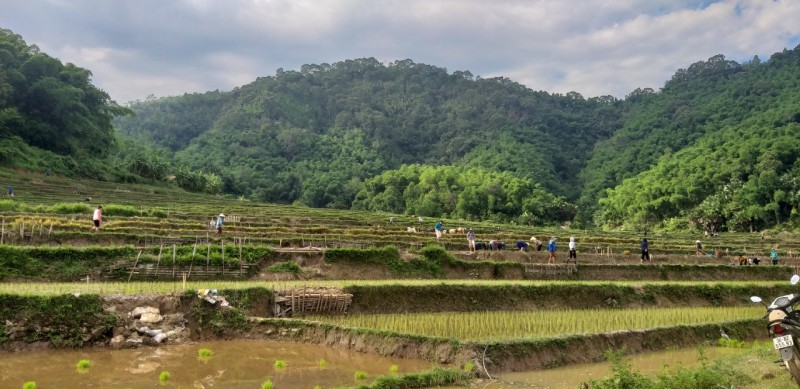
(280, 364)
(323, 363)
(360, 375)
(83, 365)
(317, 387)
(164, 377)
(29, 385)
(266, 384)
(204, 354)
(504, 325)
(469, 367)
(394, 369)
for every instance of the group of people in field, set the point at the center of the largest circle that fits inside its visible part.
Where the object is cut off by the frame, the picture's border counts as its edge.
(572, 246)
(97, 220)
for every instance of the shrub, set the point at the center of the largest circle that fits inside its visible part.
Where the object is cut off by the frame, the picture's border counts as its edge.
(360, 375)
(285, 267)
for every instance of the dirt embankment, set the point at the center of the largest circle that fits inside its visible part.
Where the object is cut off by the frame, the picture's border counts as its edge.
(142, 321)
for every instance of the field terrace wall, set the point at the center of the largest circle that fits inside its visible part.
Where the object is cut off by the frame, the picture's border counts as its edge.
(463, 298)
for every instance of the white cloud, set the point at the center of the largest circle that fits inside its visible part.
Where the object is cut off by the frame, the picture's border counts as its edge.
(594, 47)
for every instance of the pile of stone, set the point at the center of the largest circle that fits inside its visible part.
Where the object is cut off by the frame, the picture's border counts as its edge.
(147, 324)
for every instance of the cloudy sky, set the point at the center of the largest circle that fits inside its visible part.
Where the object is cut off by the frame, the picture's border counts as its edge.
(594, 47)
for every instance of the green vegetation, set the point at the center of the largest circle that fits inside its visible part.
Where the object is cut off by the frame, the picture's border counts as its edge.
(83, 365)
(431, 378)
(714, 149)
(709, 375)
(360, 375)
(280, 364)
(266, 384)
(204, 354)
(394, 369)
(285, 267)
(55, 109)
(62, 321)
(323, 363)
(164, 377)
(493, 326)
(29, 385)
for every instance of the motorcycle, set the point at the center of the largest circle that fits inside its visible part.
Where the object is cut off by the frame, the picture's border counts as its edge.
(784, 328)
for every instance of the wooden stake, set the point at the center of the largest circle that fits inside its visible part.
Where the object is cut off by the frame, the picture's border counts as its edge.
(134, 265)
(194, 251)
(159, 258)
(173, 259)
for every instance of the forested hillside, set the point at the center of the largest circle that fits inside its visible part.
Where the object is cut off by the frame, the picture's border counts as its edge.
(315, 135)
(716, 148)
(53, 108)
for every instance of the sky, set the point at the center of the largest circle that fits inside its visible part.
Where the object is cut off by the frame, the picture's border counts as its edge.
(135, 49)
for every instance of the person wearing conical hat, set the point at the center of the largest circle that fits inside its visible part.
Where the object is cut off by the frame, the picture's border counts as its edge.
(220, 220)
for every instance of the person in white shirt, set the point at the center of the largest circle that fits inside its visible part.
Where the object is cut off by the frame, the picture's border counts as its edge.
(572, 248)
(97, 218)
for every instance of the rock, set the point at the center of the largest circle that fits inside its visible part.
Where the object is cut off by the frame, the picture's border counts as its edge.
(117, 342)
(140, 311)
(768, 375)
(175, 332)
(150, 317)
(119, 331)
(175, 319)
(147, 331)
(160, 337)
(133, 342)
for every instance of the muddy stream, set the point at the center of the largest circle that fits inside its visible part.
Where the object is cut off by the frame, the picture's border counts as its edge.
(235, 364)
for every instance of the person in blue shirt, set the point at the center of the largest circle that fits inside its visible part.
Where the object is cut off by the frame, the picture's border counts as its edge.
(645, 251)
(551, 250)
(522, 246)
(438, 229)
(774, 256)
(220, 220)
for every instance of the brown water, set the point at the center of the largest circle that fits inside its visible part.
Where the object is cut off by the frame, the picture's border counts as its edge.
(572, 376)
(235, 364)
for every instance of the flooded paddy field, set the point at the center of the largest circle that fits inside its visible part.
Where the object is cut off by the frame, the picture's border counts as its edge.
(235, 364)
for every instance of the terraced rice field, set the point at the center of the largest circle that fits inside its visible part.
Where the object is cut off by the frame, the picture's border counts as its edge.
(152, 214)
(501, 326)
(146, 287)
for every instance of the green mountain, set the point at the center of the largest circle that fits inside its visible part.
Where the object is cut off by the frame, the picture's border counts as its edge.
(315, 136)
(716, 148)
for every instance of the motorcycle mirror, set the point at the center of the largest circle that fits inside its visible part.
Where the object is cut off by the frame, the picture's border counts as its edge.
(755, 299)
(795, 279)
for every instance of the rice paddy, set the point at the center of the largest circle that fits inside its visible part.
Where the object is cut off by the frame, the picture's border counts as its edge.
(498, 326)
(161, 287)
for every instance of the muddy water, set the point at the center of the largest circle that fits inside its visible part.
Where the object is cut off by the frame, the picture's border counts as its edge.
(235, 364)
(572, 376)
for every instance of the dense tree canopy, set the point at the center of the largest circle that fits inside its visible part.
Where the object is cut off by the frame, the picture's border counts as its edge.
(50, 105)
(315, 135)
(716, 148)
